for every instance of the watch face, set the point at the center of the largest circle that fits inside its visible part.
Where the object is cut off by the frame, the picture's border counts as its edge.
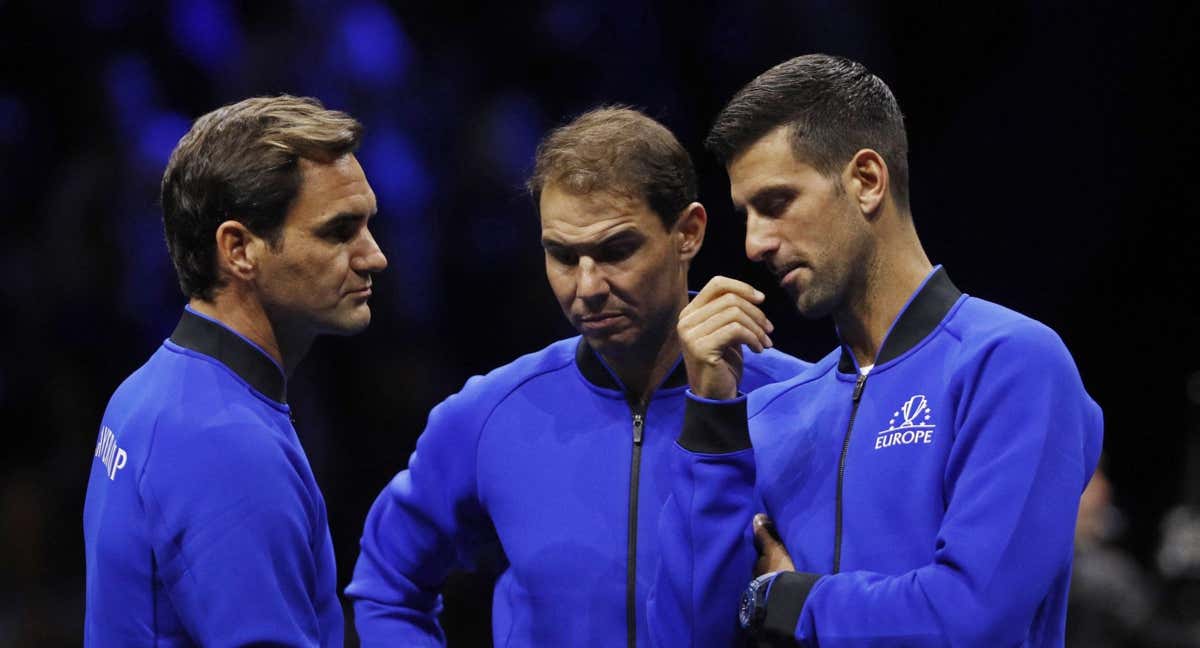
(746, 609)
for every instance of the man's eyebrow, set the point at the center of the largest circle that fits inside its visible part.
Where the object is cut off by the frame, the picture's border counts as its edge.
(774, 191)
(346, 216)
(340, 219)
(628, 234)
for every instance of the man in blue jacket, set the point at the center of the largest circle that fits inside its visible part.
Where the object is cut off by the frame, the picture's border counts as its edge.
(558, 461)
(203, 524)
(923, 478)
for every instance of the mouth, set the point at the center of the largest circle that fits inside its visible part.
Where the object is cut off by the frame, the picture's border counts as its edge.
(787, 274)
(361, 293)
(602, 322)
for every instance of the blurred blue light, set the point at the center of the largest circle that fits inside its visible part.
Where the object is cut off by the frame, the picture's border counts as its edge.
(513, 129)
(157, 137)
(396, 172)
(14, 119)
(207, 31)
(132, 89)
(405, 229)
(376, 49)
(324, 82)
(146, 268)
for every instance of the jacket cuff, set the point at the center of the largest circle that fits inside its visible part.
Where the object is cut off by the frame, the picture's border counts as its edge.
(785, 600)
(714, 426)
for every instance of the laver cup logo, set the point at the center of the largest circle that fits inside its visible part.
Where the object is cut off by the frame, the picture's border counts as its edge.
(109, 453)
(915, 425)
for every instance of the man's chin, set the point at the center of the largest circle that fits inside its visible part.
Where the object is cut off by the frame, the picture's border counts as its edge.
(810, 305)
(616, 341)
(352, 324)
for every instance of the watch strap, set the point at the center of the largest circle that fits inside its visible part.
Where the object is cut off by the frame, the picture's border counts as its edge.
(783, 603)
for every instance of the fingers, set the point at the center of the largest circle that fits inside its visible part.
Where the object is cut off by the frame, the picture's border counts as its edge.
(772, 555)
(722, 301)
(766, 536)
(712, 329)
(723, 311)
(719, 285)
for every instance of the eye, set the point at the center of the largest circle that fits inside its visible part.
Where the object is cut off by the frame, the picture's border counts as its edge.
(773, 204)
(616, 252)
(341, 230)
(563, 255)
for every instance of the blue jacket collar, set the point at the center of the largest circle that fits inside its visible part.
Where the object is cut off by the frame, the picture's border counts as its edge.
(925, 310)
(213, 339)
(595, 371)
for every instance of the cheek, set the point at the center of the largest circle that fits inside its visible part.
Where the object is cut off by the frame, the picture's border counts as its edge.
(562, 284)
(652, 278)
(318, 271)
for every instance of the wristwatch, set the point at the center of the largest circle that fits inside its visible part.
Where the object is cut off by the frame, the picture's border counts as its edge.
(753, 609)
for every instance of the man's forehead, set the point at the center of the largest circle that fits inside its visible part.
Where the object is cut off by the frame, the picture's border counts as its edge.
(593, 216)
(340, 181)
(567, 233)
(770, 161)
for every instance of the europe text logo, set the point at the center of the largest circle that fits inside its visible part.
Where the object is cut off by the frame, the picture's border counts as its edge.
(916, 425)
(110, 454)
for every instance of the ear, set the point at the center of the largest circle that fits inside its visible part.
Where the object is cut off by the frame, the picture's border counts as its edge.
(867, 180)
(238, 250)
(689, 230)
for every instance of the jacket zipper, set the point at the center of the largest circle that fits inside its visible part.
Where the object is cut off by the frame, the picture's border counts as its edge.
(837, 525)
(635, 465)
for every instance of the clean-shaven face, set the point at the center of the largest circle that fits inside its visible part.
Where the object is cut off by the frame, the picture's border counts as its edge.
(319, 277)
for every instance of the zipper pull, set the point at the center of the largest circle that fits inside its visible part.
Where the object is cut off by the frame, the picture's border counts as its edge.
(637, 429)
(858, 386)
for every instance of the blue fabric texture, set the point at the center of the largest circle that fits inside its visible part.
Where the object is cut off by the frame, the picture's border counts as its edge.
(969, 450)
(527, 470)
(203, 524)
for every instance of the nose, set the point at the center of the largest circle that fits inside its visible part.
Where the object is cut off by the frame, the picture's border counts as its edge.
(761, 241)
(371, 258)
(591, 285)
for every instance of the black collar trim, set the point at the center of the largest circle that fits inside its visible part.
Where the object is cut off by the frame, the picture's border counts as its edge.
(925, 311)
(251, 364)
(596, 372)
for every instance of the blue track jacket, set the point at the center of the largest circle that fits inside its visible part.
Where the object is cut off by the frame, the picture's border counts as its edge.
(544, 466)
(203, 524)
(931, 502)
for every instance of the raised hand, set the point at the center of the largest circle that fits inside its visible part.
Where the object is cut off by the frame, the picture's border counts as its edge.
(713, 328)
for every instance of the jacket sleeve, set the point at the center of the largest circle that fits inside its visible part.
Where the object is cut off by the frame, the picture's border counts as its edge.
(233, 529)
(425, 523)
(1027, 440)
(706, 556)
(706, 548)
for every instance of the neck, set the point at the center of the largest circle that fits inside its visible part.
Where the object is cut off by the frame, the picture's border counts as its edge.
(643, 368)
(247, 316)
(641, 371)
(874, 301)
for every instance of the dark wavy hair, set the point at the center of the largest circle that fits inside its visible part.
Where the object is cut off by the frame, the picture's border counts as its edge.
(241, 162)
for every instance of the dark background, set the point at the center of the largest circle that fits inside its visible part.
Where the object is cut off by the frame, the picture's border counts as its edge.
(1053, 156)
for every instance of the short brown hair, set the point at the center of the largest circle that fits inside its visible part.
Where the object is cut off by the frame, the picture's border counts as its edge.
(241, 162)
(618, 149)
